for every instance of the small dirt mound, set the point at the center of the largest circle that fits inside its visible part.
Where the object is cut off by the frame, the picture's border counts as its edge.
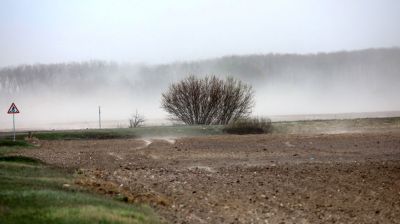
(92, 179)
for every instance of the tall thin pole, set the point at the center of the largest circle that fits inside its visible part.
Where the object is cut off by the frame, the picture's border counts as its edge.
(99, 117)
(14, 126)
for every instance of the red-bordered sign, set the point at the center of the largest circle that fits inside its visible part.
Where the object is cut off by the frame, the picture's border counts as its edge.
(13, 109)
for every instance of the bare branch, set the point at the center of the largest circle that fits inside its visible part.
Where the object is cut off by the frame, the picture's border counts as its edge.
(208, 101)
(136, 120)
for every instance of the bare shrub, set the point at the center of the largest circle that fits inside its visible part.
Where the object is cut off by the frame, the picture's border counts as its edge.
(249, 126)
(136, 120)
(236, 102)
(209, 100)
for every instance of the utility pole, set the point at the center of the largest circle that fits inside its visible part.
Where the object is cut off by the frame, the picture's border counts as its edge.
(99, 117)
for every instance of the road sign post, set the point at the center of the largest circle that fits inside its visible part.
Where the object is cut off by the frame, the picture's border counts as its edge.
(14, 126)
(13, 110)
(99, 117)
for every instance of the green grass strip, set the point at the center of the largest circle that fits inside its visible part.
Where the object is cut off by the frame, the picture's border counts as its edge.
(31, 192)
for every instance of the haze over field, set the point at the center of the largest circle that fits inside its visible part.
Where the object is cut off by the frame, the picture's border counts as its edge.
(342, 82)
(59, 60)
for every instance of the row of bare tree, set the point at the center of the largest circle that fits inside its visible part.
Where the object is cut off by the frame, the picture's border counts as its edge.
(208, 100)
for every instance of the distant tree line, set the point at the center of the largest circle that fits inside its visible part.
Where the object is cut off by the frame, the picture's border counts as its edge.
(353, 66)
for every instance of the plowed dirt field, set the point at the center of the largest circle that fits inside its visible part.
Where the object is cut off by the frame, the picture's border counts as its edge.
(340, 178)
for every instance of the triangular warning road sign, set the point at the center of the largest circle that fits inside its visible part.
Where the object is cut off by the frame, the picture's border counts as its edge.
(13, 109)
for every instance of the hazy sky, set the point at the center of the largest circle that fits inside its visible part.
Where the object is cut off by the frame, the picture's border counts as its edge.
(164, 31)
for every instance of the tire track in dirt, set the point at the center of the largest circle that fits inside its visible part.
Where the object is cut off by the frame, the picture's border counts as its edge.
(146, 144)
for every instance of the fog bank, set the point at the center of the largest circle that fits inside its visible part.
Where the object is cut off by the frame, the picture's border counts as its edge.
(52, 95)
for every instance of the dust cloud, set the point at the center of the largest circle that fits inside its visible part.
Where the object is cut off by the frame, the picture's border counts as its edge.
(286, 86)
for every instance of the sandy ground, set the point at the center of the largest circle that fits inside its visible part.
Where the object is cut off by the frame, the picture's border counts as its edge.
(342, 178)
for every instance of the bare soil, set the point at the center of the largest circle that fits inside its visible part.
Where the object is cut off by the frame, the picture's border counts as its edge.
(340, 178)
